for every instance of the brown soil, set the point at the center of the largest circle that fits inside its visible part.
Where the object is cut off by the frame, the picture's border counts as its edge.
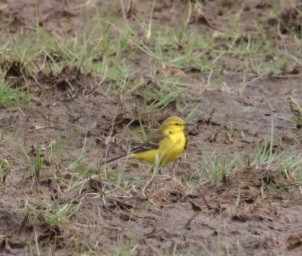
(252, 211)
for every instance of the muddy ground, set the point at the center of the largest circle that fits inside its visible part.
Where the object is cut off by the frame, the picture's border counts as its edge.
(253, 210)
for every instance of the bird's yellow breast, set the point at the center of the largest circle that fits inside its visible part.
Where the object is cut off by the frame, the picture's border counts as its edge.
(172, 147)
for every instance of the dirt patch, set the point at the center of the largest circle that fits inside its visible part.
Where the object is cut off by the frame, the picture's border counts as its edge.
(54, 199)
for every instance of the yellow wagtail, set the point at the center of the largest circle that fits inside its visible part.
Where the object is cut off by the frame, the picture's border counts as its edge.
(162, 147)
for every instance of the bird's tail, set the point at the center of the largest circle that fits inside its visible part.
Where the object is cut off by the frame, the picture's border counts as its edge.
(114, 159)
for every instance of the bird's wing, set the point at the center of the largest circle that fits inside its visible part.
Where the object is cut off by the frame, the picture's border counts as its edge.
(153, 142)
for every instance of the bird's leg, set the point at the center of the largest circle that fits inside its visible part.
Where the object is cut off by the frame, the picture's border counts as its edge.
(149, 183)
(155, 169)
(173, 169)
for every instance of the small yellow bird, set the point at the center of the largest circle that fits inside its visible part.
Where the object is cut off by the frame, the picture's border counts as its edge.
(162, 147)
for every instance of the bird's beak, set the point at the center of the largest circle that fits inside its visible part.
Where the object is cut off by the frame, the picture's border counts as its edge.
(189, 124)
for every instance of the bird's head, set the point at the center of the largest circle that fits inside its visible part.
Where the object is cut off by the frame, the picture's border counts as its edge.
(173, 124)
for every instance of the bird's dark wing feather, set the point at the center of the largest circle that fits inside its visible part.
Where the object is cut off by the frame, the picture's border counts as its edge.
(152, 143)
